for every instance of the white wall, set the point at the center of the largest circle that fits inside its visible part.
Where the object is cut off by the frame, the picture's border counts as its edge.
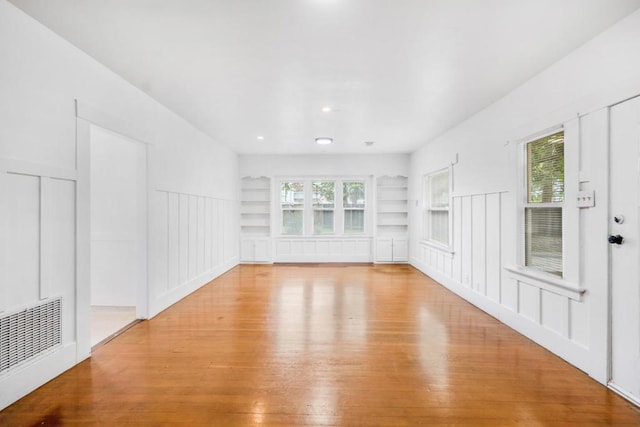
(333, 248)
(324, 165)
(44, 181)
(118, 218)
(575, 92)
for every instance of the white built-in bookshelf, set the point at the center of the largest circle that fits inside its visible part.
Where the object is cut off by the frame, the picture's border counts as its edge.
(255, 207)
(392, 218)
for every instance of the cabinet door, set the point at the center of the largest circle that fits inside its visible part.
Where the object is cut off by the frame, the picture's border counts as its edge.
(400, 250)
(247, 250)
(261, 250)
(384, 250)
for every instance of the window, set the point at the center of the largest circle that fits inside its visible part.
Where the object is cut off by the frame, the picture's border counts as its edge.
(544, 202)
(437, 207)
(292, 202)
(323, 206)
(353, 203)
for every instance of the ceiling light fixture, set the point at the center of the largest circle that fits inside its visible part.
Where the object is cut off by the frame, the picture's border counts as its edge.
(326, 109)
(260, 137)
(369, 143)
(324, 140)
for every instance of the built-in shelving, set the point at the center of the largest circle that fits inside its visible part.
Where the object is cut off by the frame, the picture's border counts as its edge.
(255, 220)
(255, 207)
(392, 219)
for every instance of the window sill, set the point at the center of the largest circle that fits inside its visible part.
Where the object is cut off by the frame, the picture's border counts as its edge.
(440, 247)
(547, 282)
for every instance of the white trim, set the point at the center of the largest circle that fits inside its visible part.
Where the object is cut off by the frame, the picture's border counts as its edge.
(427, 208)
(547, 282)
(571, 351)
(22, 380)
(22, 167)
(308, 209)
(112, 123)
(437, 246)
(624, 394)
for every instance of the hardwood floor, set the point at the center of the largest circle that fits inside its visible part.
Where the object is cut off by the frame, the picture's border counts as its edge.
(354, 345)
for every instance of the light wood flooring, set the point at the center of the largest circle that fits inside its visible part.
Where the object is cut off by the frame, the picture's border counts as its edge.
(355, 345)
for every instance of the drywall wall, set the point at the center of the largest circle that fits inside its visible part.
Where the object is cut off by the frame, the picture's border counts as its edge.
(50, 93)
(574, 93)
(324, 165)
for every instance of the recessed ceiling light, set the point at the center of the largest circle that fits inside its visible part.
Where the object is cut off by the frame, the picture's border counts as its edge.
(324, 140)
(260, 137)
(326, 109)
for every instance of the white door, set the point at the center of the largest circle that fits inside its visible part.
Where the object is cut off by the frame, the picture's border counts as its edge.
(625, 257)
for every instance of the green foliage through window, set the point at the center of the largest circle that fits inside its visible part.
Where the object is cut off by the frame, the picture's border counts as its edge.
(545, 169)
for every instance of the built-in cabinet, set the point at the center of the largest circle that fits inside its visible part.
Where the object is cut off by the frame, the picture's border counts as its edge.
(392, 219)
(255, 219)
(389, 244)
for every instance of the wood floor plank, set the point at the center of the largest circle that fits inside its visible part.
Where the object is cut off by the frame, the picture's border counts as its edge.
(322, 345)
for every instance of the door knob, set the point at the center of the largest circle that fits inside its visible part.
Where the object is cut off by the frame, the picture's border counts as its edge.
(616, 240)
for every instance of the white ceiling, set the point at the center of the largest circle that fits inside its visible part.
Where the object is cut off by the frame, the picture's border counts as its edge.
(397, 72)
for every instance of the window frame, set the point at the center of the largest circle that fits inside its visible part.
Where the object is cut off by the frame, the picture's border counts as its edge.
(338, 210)
(281, 207)
(345, 209)
(315, 209)
(526, 204)
(427, 208)
(569, 284)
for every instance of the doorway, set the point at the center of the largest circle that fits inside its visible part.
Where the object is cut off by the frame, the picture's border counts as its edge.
(625, 248)
(118, 206)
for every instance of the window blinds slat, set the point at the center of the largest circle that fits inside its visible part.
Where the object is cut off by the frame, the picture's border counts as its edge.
(543, 239)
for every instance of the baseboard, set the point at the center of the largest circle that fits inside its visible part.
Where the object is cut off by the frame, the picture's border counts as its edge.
(568, 350)
(172, 296)
(23, 379)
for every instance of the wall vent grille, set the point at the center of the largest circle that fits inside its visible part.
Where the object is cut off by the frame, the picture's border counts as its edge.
(28, 333)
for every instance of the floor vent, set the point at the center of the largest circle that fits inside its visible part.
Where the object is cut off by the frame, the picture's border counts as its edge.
(28, 333)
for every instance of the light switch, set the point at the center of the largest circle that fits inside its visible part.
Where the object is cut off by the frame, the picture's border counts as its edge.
(585, 199)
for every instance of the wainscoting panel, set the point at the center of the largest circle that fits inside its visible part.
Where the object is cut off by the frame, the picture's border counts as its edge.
(37, 267)
(323, 250)
(493, 250)
(466, 244)
(474, 269)
(479, 243)
(192, 229)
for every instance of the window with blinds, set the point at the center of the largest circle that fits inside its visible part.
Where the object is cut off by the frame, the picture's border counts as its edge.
(544, 204)
(437, 207)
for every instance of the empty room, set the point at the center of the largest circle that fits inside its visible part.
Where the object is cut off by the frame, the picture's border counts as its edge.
(320, 212)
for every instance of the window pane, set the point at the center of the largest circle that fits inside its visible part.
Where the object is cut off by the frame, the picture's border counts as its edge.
(354, 221)
(439, 229)
(291, 222)
(543, 239)
(353, 194)
(292, 194)
(545, 169)
(324, 195)
(439, 189)
(322, 222)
